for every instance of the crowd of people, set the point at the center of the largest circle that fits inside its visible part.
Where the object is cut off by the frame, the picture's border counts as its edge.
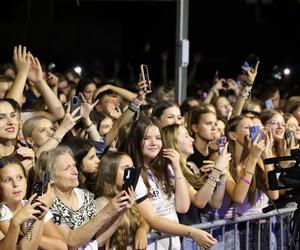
(185, 177)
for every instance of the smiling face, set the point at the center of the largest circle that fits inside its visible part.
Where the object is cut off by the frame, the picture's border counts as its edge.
(152, 143)
(170, 116)
(13, 183)
(125, 162)
(105, 126)
(90, 163)
(185, 141)
(9, 121)
(277, 126)
(65, 174)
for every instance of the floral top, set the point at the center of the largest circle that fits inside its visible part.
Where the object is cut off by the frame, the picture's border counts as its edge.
(74, 218)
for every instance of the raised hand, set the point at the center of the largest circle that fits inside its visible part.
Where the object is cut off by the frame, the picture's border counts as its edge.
(35, 73)
(207, 166)
(251, 74)
(117, 204)
(223, 159)
(70, 119)
(86, 106)
(114, 112)
(21, 59)
(257, 147)
(173, 156)
(28, 212)
(144, 88)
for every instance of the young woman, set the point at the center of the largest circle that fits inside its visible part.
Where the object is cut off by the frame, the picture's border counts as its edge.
(108, 183)
(247, 183)
(203, 188)
(167, 187)
(166, 113)
(38, 230)
(292, 125)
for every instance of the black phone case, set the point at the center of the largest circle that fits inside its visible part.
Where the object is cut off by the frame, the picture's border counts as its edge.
(130, 178)
(75, 103)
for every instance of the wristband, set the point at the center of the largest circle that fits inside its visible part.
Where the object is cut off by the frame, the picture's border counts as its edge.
(213, 179)
(246, 180)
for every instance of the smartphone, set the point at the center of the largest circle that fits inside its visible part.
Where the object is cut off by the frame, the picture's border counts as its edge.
(40, 187)
(75, 103)
(130, 178)
(254, 132)
(269, 104)
(249, 63)
(288, 135)
(221, 142)
(145, 77)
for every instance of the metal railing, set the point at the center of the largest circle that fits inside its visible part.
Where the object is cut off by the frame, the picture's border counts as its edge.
(257, 218)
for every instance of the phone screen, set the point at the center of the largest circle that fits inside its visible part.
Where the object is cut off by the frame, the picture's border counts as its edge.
(269, 104)
(250, 63)
(288, 135)
(254, 132)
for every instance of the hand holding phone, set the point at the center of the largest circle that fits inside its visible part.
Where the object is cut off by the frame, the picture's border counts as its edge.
(40, 187)
(75, 103)
(289, 136)
(130, 178)
(249, 63)
(146, 78)
(221, 142)
(254, 132)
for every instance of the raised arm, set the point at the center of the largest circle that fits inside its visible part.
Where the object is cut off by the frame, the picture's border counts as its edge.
(244, 91)
(22, 62)
(127, 115)
(55, 108)
(126, 94)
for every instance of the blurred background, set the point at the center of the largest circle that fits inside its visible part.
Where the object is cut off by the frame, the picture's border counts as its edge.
(108, 34)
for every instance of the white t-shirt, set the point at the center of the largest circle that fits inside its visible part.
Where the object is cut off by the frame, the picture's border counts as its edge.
(163, 206)
(6, 214)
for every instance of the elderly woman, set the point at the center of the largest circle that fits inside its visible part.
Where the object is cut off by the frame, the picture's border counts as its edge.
(74, 209)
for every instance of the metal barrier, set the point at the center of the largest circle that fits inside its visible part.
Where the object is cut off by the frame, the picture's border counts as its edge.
(258, 217)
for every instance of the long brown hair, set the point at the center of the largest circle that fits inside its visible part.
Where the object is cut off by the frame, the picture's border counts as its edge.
(134, 147)
(169, 136)
(258, 180)
(105, 186)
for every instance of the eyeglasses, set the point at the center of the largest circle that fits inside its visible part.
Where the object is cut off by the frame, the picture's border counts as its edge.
(274, 123)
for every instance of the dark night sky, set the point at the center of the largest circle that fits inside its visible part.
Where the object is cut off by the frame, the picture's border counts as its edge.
(224, 32)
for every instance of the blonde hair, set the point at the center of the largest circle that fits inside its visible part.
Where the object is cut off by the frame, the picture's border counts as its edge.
(169, 137)
(30, 124)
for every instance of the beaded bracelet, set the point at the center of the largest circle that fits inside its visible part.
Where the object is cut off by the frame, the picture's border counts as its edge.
(245, 91)
(246, 180)
(213, 179)
(212, 185)
(135, 105)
